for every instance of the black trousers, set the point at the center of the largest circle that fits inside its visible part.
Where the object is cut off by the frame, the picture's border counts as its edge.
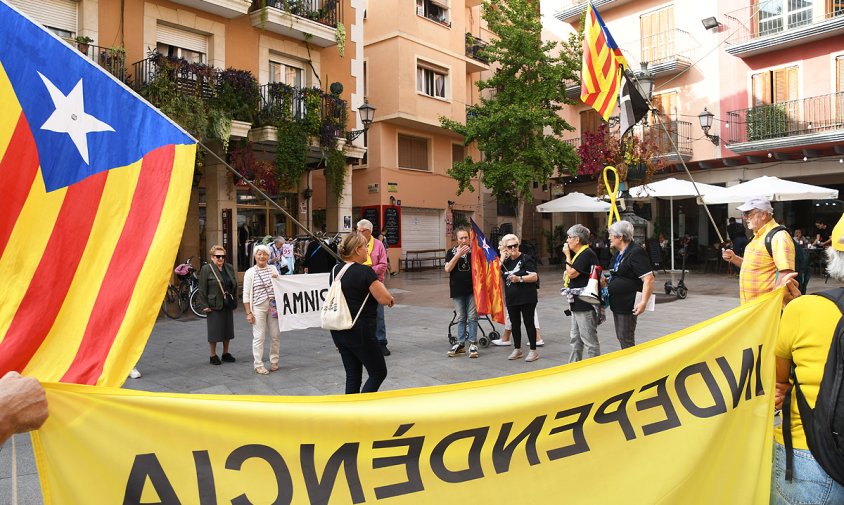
(360, 349)
(517, 314)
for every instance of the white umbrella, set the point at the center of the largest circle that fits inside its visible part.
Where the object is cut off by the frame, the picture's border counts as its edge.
(772, 188)
(670, 189)
(574, 202)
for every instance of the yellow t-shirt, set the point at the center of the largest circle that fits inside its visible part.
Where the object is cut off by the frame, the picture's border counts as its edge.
(806, 332)
(758, 273)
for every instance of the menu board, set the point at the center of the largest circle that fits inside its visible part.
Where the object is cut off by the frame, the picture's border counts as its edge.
(392, 225)
(373, 214)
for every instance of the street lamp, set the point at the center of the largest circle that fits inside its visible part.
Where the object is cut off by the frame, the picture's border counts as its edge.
(646, 81)
(367, 114)
(705, 119)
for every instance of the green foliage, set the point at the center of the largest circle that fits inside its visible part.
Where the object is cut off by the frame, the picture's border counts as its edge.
(340, 38)
(219, 126)
(335, 170)
(291, 152)
(517, 126)
(238, 94)
(766, 122)
(188, 110)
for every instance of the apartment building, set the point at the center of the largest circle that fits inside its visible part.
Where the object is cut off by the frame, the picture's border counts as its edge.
(769, 72)
(289, 46)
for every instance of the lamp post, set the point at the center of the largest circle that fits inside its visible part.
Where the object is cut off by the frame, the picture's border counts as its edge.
(705, 119)
(646, 81)
(367, 114)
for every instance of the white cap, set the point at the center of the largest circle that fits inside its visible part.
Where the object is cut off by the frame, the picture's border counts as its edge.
(758, 202)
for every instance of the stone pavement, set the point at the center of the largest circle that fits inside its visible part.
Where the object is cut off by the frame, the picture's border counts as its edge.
(176, 356)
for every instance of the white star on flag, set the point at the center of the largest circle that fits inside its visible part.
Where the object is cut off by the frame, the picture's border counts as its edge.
(70, 117)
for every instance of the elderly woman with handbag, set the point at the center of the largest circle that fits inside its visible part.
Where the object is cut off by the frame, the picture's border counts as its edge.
(217, 287)
(261, 311)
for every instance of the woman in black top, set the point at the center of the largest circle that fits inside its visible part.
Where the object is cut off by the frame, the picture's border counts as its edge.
(520, 287)
(358, 346)
(215, 278)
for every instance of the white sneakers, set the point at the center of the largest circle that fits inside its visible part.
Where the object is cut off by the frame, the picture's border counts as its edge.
(516, 354)
(532, 356)
(501, 342)
(135, 374)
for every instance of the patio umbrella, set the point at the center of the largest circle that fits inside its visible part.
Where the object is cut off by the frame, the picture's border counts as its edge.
(772, 188)
(574, 202)
(670, 189)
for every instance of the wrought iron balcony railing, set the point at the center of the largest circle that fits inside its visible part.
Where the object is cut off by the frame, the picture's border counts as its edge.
(761, 19)
(326, 12)
(280, 101)
(676, 133)
(475, 47)
(190, 78)
(806, 116)
(113, 59)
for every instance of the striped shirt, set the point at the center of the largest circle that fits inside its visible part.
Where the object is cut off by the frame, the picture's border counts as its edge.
(262, 285)
(758, 270)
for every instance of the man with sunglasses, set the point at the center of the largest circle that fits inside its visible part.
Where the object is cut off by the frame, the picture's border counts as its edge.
(759, 270)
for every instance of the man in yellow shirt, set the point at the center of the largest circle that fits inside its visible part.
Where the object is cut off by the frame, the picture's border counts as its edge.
(806, 331)
(760, 270)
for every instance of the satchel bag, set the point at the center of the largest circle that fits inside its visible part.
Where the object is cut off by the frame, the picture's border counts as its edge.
(229, 301)
(335, 313)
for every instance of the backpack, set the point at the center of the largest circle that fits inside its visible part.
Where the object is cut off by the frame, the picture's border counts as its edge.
(801, 258)
(335, 313)
(823, 425)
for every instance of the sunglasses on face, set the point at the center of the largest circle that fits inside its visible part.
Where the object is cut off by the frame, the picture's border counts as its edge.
(220, 256)
(512, 246)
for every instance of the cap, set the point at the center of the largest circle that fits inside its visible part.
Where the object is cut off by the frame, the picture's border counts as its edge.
(838, 235)
(758, 202)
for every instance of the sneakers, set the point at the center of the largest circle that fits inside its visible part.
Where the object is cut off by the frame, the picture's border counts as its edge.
(540, 343)
(532, 356)
(135, 374)
(457, 350)
(473, 351)
(516, 354)
(228, 358)
(501, 342)
(384, 350)
(215, 360)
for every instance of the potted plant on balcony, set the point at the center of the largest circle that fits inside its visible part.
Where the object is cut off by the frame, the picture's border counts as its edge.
(238, 96)
(634, 158)
(83, 43)
(766, 122)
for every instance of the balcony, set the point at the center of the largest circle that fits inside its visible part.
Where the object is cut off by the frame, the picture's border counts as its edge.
(474, 51)
(776, 24)
(798, 123)
(112, 59)
(667, 53)
(575, 142)
(225, 8)
(673, 143)
(314, 21)
(573, 9)
(196, 79)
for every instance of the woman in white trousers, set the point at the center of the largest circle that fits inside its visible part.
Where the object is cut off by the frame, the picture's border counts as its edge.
(259, 301)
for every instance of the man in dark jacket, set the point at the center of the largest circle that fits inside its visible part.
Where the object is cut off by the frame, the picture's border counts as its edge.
(580, 259)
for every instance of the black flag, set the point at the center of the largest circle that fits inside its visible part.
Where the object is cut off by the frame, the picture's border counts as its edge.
(631, 103)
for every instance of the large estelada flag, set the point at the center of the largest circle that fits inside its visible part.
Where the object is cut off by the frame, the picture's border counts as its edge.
(486, 276)
(94, 187)
(600, 70)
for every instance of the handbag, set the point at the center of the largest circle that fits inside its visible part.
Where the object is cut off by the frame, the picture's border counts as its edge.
(229, 301)
(273, 307)
(335, 313)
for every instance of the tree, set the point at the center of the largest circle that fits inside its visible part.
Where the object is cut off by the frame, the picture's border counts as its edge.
(517, 127)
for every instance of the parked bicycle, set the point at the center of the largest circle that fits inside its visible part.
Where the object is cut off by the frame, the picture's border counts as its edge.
(184, 295)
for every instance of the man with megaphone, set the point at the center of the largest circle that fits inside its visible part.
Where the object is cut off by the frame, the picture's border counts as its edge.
(580, 262)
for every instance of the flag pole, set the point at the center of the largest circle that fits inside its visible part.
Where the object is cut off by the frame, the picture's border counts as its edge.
(636, 83)
(272, 202)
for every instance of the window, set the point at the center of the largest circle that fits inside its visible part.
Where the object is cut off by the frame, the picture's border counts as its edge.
(774, 86)
(658, 35)
(458, 153)
(431, 81)
(839, 73)
(291, 75)
(413, 153)
(590, 121)
(776, 15)
(58, 16)
(178, 43)
(435, 10)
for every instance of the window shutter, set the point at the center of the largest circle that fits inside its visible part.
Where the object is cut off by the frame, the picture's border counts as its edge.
(761, 88)
(589, 121)
(413, 152)
(458, 153)
(61, 14)
(182, 38)
(839, 71)
(785, 84)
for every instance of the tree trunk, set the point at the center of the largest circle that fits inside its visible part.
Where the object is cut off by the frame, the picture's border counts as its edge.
(520, 213)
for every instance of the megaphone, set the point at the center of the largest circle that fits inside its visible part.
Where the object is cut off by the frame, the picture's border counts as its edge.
(590, 293)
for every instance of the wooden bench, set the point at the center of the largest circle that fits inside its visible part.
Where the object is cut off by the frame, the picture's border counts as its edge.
(414, 259)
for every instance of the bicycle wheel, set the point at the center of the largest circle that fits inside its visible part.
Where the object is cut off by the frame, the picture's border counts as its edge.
(170, 305)
(184, 296)
(194, 304)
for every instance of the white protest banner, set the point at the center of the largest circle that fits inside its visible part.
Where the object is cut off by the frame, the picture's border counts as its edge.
(299, 299)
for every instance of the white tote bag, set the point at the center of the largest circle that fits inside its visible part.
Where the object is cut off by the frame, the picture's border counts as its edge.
(335, 314)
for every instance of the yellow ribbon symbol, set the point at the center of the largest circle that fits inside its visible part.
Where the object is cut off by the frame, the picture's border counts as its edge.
(612, 191)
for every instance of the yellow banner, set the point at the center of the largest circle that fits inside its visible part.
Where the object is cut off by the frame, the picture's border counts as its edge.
(686, 418)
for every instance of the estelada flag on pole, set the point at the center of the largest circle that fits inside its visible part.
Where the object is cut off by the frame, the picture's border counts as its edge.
(94, 188)
(600, 70)
(486, 276)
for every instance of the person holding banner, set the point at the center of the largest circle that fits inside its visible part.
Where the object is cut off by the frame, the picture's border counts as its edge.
(261, 311)
(807, 329)
(216, 279)
(358, 346)
(23, 405)
(584, 318)
(630, 274)
(520, 294)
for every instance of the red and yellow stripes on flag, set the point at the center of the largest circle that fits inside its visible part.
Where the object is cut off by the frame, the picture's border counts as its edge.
(486, 281)
(84, 267)
(600, 71)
